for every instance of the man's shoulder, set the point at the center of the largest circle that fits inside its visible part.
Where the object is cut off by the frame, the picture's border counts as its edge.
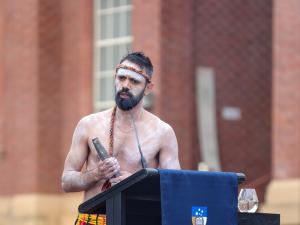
(163, 131)
(160, 124)
(94, 117)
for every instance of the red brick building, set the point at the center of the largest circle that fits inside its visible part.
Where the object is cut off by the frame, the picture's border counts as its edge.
(250, 49)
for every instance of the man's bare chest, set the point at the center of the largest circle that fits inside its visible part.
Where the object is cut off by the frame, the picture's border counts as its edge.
(125, 146)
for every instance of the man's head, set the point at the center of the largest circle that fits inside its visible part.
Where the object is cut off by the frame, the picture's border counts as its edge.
(139, 59)
(133, 80)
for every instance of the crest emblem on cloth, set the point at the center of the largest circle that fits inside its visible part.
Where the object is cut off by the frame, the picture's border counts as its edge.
(199, 215)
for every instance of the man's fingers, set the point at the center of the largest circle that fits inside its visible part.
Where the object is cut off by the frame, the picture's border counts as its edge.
(108, 167)
(110, 161)
(110, 172)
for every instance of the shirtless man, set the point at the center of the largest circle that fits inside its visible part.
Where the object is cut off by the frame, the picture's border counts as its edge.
(115, 130)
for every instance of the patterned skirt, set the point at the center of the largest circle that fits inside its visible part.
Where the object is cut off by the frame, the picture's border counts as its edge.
(90, 219)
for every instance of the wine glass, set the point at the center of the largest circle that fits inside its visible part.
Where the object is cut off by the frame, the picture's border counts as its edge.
(247, 200)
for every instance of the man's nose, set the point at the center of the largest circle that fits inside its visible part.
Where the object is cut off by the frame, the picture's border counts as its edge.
(126, 83)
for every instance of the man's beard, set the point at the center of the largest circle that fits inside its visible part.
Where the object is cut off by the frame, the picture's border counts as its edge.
(130, 102)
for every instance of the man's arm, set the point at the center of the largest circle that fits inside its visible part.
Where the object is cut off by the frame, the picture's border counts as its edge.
(73, 179)
(168, 155)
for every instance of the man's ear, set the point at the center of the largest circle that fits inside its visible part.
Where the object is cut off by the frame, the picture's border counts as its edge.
(148, 89)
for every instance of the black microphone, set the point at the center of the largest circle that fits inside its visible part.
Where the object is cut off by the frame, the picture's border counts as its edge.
(143, 160)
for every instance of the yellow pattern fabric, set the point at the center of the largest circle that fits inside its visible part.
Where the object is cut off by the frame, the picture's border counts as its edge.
(90, 219)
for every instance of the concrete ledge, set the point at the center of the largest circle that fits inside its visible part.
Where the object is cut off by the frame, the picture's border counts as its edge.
(39, 209)
(283, 197)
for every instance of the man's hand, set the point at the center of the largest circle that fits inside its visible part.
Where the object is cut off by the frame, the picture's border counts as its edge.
(107, 168)
(123, 175)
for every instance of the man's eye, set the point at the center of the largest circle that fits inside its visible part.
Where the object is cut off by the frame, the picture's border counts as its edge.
(134, 81)
(122, 77)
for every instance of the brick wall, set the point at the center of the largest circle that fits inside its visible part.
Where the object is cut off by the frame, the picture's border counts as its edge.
(286, 108)
(1, 78)
(177, 98)
(47, 88)
(146, 30)
(20, 98)
(234, 38)
(77, 66)
(50, 91)
(164, 30)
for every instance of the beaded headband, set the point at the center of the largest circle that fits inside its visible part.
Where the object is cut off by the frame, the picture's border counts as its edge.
(140, 72)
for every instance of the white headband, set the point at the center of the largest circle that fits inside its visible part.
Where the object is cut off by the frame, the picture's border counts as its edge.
(140, 72)
(132, 74)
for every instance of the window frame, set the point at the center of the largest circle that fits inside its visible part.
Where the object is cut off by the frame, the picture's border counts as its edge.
(120, 42)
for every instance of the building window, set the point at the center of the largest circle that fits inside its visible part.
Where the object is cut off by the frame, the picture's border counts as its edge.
(112, 40)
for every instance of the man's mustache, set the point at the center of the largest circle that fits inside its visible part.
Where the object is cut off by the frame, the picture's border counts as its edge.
(125, 91)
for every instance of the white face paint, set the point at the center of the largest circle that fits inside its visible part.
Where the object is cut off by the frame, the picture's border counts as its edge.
(130, 74)
(130, 87)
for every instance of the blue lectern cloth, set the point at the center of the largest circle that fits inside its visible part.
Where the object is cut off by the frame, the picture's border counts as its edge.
(186, 195)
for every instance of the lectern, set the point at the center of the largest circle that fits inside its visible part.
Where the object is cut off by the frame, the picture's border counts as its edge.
(134, 201)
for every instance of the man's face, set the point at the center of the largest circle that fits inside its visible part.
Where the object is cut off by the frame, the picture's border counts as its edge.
(130, 87)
